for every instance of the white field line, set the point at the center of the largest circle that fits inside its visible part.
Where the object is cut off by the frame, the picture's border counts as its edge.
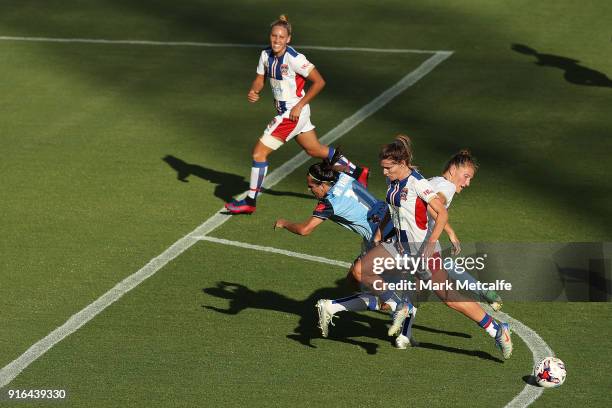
(539, 348)
(212, 45)
(13, 369)
(273, 250)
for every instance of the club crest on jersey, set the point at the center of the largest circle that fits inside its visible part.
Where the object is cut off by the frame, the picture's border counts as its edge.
(284, 68)
(404, 194)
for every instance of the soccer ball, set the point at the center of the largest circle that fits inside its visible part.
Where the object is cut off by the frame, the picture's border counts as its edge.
(550, 372)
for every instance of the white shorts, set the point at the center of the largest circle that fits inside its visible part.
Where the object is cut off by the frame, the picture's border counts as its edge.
(281, 129)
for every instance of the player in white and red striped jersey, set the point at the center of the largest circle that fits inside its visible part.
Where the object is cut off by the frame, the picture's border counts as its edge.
(287, 71)
(409, 196)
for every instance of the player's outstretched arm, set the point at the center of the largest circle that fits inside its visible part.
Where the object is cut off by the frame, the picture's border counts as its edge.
(256, 87)
(302, 228)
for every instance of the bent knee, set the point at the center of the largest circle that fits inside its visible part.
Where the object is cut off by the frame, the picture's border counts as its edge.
(355, 271)
(259, 156)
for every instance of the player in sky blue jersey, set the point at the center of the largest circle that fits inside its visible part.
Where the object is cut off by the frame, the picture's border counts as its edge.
(345, 201)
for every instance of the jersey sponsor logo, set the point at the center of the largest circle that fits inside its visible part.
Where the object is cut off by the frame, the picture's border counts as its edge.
(427, 192)
(284, 69)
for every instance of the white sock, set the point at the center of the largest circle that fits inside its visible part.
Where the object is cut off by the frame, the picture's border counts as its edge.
(258, 173)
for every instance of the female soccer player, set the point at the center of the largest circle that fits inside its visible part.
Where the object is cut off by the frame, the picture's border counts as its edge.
(409, 195)
(343, 200)
(287, 71)
(457, 175)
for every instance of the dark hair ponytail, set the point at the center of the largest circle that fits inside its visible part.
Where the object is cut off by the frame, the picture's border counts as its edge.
(462, 158)
(323, 172)
(399, 150)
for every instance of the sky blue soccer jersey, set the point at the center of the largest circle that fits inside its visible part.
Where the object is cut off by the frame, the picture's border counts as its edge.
(349, 204)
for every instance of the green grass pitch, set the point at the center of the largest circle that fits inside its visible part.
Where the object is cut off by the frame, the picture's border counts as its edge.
(113, 152)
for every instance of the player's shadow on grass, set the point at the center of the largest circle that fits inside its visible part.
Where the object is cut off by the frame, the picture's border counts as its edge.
(351, 324)
(347, 326)
(228, 185)
(473, 353)
(438, 331)
(574, 72)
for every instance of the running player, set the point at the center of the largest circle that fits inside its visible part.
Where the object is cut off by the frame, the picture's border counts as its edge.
(457, 175)
(287, 71)
(409, 195)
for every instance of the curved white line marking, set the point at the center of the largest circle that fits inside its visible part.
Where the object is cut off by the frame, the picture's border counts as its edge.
(539, 350)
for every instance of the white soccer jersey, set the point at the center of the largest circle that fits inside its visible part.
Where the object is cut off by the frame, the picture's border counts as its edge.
(287, 75)
(407, 200)
(440, 185)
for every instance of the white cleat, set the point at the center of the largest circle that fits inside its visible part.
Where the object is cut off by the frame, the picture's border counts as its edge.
(325, 316)
(503, 340)
(402, 342)
(398, 319)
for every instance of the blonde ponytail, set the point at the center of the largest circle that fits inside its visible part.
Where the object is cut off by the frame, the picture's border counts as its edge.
(282, 21)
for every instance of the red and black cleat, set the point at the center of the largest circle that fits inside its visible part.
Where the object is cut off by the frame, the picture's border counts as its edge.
(240, 207)
(363, 176)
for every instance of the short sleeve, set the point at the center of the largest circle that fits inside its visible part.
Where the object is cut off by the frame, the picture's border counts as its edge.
(301, 65)
(261, 69)
(448, 189)
(323, 210)
(425, 190)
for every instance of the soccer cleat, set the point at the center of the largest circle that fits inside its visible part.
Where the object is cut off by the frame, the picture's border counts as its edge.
(503, 340)
(399, 316)
(492, 298)
(363, 176)
(240, 207)
(325, 316)
(496, 306)
(402, 342)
